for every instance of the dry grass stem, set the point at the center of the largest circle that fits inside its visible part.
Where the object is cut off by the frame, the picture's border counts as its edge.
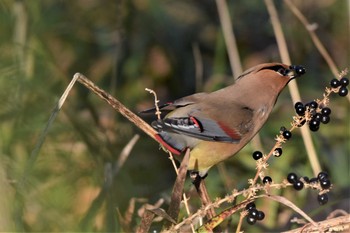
(291, 205)
(229, 37)
(177, 192)
(116, 105)
(293, 88)
(339, 224)
(41, 140)
(126, 152)
(198, 66)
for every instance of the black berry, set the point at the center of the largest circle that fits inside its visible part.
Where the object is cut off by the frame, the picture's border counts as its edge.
(299, 108)
(278, 152)
(287, 134)
(250, 206)
(325, 183)
(335, 83)
(326, 111)
(299, 70)
(314, 128)
(257, 155)
(292, 178)
(313, 104)
(343, 91)
(325, 119)
(322, 198)
(317, 116)
(314, 122)
(298, 104)
(314, 125)
(267, 179)
(322, 176)
(261, 216)
(344, 81)
(298, 185)
(251, 220)
(253, 213)
(300, 111)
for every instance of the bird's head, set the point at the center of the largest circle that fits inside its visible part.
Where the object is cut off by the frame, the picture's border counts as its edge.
(272, 75)
(292, 71)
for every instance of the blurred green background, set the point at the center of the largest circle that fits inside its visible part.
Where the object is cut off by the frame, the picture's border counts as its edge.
(125, 46)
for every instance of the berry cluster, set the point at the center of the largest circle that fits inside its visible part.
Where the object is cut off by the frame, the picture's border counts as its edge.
(317, 115)
(254, 214)
(322, 179)
(342, 84)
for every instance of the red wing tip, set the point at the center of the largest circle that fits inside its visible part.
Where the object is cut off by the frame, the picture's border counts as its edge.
(166, 145)
(234, 134)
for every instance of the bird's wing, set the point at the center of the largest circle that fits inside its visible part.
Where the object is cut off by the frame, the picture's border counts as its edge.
(202, 126)
(170, 106)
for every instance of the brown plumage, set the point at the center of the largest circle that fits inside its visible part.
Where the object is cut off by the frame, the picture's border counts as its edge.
(217, 125)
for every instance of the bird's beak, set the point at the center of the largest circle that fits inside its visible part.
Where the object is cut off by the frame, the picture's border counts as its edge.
(295, 71)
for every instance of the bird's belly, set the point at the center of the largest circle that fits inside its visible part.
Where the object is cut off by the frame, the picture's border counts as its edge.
(206, 154)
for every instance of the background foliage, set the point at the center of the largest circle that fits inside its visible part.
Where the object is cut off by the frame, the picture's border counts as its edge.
(125, 46)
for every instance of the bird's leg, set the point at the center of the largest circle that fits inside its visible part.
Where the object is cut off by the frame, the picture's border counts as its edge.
(199, 183)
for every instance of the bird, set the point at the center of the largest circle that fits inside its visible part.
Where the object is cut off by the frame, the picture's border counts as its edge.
(217, 125)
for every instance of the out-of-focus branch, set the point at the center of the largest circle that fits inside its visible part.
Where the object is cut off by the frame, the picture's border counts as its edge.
(314, 38)
(293, 88)
(229, 37)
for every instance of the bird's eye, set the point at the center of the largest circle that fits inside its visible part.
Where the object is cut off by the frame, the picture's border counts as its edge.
(279, 69)
(283, 71)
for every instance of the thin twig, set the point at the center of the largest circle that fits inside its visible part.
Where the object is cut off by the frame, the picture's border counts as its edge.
(156, 101)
